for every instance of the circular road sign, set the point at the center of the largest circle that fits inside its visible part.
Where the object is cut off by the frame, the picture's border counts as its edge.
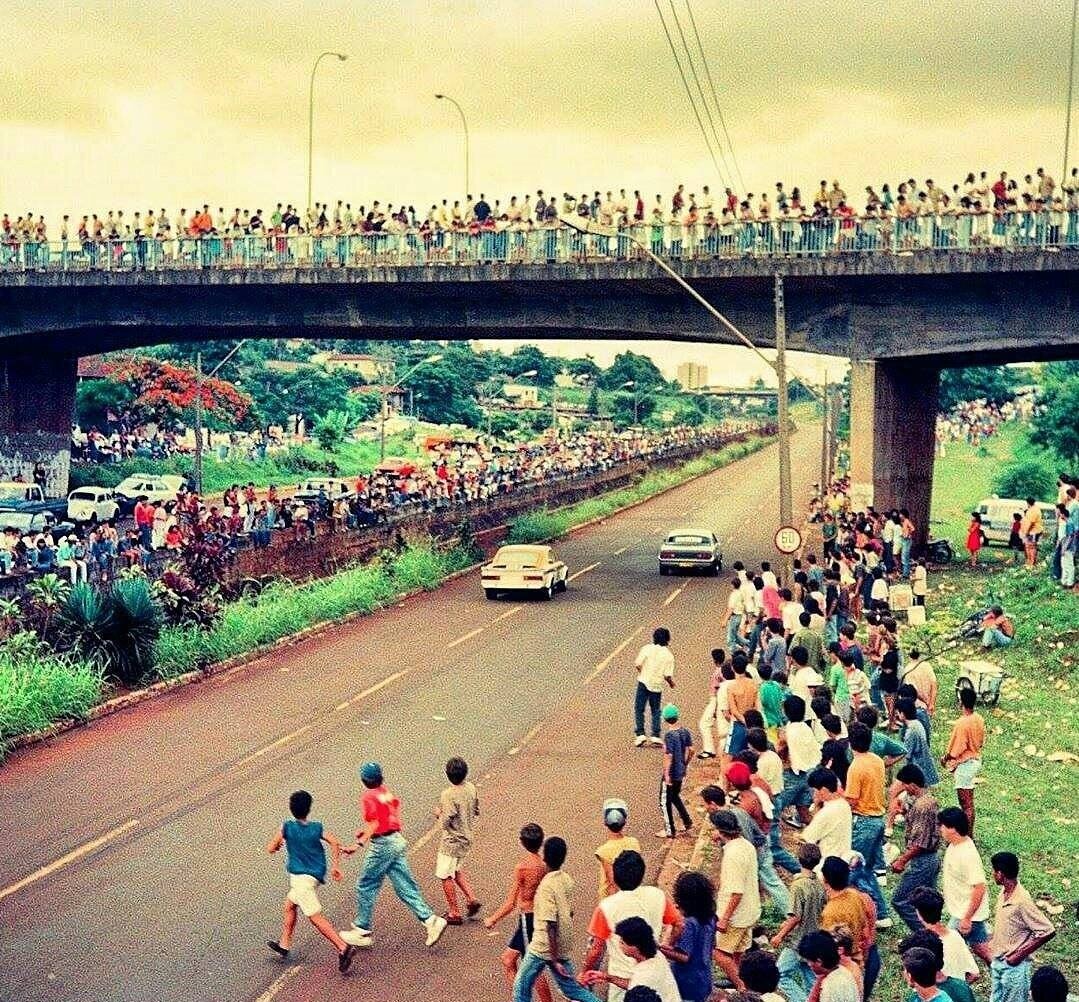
(788, 539)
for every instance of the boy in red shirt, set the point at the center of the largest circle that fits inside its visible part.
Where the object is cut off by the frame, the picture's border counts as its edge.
(385, 858)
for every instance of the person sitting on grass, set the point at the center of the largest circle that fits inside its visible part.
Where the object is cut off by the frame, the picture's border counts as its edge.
(998, 630)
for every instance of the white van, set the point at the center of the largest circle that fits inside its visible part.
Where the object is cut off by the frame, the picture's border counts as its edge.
(997, 516)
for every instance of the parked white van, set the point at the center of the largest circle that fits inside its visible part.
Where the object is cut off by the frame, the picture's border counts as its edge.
(997, 516)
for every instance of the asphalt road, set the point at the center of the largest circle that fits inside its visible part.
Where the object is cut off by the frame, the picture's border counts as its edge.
(134, 864)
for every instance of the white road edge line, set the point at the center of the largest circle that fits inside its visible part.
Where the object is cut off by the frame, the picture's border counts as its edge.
(674, 594)
(584, 570)
(468, 636)
(618, 553)
(71, 857)
(278, 983)
(610, 657)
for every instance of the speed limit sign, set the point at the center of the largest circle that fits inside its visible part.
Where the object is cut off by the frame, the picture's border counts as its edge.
(788, 539)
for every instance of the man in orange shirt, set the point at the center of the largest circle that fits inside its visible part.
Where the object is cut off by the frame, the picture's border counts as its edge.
(741, 696)
(865, 790)
(843, 904)
(964, 754)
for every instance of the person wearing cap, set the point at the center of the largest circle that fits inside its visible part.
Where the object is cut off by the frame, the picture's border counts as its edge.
(677, 751)
(385, 858)
(738, 903)
(615, 816)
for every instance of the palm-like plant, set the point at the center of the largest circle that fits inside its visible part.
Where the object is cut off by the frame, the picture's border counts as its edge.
(45, 595)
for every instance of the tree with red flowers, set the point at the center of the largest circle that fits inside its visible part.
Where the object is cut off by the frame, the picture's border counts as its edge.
(164, 391)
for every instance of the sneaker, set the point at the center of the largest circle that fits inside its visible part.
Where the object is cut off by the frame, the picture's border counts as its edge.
(707, 754)
(453, 919)
(356, 936)
(473, 909)
(344, 959)
(277, 948)
(436, 926)
(885, 923)
(658, 742)
(639, 743)
(664, 835)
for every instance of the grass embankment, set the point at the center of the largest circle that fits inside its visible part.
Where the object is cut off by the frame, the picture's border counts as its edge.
(550, 523)
(283, 467)
(1025, 801)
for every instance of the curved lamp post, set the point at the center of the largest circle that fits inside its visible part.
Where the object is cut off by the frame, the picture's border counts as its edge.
(311, 117)
(464, 125)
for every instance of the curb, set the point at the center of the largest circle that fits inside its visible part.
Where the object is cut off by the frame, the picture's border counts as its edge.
(137, 696)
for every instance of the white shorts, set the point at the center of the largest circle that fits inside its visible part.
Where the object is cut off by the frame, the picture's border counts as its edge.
(303, 893)
(446, 867)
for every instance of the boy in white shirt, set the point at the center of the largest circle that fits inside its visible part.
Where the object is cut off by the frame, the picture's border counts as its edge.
(650, 969)
(655, 665)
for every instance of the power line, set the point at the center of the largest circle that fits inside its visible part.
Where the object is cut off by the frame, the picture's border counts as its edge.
(700, 89)
(715, 97)
(689, 93)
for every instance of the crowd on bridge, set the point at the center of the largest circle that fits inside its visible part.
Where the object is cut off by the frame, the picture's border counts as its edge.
(983, 211)
(452, 476)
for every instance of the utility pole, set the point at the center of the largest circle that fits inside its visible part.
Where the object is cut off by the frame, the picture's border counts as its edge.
(825, 462)
(786, 510)
(1071, 84)
(554, 410)
(198, 423)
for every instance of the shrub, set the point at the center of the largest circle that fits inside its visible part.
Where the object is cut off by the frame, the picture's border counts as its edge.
(1028, 477)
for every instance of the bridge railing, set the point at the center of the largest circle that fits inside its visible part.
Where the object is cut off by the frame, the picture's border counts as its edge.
(973, 233)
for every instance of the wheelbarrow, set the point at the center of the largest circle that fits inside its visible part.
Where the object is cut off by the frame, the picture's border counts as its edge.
(983, 678)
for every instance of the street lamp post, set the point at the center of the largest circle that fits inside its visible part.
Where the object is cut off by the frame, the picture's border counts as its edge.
(200, 382)
(384, 395)
(636, 397)
(311, 119)
(464, 125)
(1071, 83)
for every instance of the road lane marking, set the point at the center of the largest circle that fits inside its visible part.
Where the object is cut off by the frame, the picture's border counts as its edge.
(525, 740)
(610, 657)
(468, 636)
(278, 983)
(280, 742)
(584, 570)
(71, 857)
(618, 553)
(370, 691)
(674, 594)
(506, 615)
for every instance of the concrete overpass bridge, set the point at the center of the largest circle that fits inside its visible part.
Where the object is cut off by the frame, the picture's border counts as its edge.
(899, 316)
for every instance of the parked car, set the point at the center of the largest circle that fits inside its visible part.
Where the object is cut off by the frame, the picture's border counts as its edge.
(997, 517)
(524, 568)
(30, 523)
(153, 488)
(334, 488)
(92, 504)
(691, 550)
(18, 496)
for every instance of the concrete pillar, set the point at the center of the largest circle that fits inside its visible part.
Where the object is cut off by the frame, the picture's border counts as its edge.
(893, 437)
(37, 407)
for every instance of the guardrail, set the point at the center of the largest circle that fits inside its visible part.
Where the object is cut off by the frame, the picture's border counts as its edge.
(967, 232)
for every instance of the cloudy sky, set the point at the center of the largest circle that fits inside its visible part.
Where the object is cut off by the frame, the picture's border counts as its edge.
(126, 104)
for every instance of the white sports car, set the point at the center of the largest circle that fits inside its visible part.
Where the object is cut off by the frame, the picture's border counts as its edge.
(524, 568)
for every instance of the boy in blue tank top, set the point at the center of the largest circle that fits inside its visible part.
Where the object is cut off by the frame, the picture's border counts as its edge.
(305, 864)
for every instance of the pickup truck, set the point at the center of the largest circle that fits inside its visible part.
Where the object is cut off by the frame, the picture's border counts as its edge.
(15, 496)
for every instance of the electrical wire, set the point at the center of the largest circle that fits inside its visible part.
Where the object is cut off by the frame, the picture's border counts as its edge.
(689, 93)
(715, 97)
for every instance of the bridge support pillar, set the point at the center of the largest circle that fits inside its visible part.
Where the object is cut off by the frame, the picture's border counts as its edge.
(893, 437)
(37, 406)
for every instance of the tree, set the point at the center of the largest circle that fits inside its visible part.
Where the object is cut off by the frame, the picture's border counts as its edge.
(443, 394)
(631, 367)
(95, 399)
(593, 400)
(528, 358)
(797, 391)
(311, 392)
(584, 367)
(332, 429)
(994, 383)
(623, 408)
(1056, 425)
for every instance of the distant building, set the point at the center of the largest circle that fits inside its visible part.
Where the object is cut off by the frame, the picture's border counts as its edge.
(284, 365)
(692, 376)
(521, 394)
(366, 366)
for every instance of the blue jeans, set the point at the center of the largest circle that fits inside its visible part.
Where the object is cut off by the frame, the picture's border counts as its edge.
(795, 792)
(995, 638)
(905, 554)
(645, 697)
(922, 871)
(872, 970)
(1009, 984)
(733, 640)
(867, 837)
(795, 977)
(770, 880)
(780, 855)
(532, 967)
(385, 857)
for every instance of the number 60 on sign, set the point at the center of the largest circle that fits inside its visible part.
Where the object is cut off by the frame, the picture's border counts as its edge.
(788, 539)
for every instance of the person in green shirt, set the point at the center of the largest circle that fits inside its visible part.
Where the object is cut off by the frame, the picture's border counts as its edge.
(811, 640)
(955, 989)
(836, 678)
(770, 696)
(879, 743)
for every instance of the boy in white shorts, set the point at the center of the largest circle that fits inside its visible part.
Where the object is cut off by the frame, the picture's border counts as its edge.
(305, 864)
(458, 809)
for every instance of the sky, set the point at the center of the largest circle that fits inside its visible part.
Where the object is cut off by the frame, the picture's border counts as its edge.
(124, 104)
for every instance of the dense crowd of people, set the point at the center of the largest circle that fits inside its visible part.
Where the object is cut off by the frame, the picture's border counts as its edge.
(453, 475)
(981, 212)
(975, 421)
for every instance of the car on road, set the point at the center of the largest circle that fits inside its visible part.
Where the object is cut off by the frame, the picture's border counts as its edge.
(524, 568)
(691, 550)
(92, 504)
(30, 523)
(997, 517)
(152, 487)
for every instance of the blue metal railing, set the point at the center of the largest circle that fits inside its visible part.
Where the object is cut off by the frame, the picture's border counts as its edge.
(967, 232)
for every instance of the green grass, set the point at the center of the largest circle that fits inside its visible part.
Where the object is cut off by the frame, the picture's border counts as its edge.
(550, 523)
(38, 687)
(278, 468)
(1025, 803)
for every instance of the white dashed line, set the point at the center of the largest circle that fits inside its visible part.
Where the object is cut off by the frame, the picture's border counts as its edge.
(468, 636)
(584, 570)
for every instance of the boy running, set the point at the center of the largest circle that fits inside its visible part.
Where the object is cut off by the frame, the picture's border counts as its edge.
(458, 809)
(678, 749)
(305, 864)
